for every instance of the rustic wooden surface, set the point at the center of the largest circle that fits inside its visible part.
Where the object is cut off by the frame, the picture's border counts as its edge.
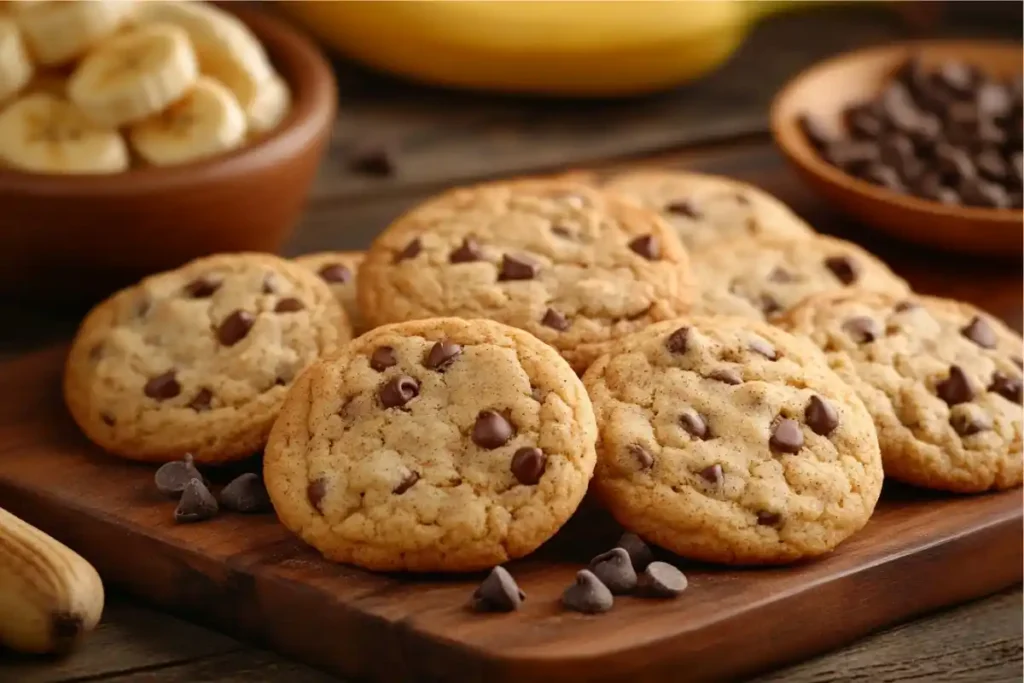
(445, 138)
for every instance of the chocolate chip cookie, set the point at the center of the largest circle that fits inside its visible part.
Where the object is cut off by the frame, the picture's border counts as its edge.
(338, 269)
(199, 359)
(707, 209)
(762, 279)
(559, 259)
(941, 379)
(432, 445)
(729, 440)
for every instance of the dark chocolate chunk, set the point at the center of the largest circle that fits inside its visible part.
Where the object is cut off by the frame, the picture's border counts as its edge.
(966, 423)
(683, 207)
(407, 482)
(235, 327)
(162, 387)
(713, 474)
(491, 430)
(787, 437)
(467, 252)
(851, 156)
(726, 375)
(398, 391)
(980, 192)
(647, 246)
(315, 492)
(246, 493)
(821, 417)
(517, 268)
(862, 329)
(766, 518)
(883, 176)
(1006, 386)
(956, 388)
(197, 504)
(528, 465)
(640, 553)
(335, 272)
(661, 580)
(382, 358)
(980, 332)
(442, 354)
(694, 424)
(499, 592)
(554, 320)
(411, 250)
(643, 457)
(676, 342)
(846, 269)
(171, 477)
(760, 346)
(615, 570)
(201, 401)
(587, 594)
(202, 287)
(374, 161)
(289, 305)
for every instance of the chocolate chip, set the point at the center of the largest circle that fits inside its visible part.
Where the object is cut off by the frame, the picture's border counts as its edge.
(694, 424)
(851, 156)
(769, 305)
(639, 552)
(587, 594)
(246, 493)
(517, 268)
(407, 483)
(966, 422)
(953, 163)
(713, 474)
(197, 503)
(499, 592)
(758, 345)
(411, 250)
(398, 391)
(335, 272)
(562, 231)
(554, 320)
(142, 306)
(163, 387)
(683, 207)
(863, 120)
(862, 329)
(469, 251)
(930, 187)
(883, 176)
(765, 518)
(202, 287)
(647, 246)
(844, 268)
(956, 388)
(201, 401)
(377, 160)
(980, 332)
(289, 305)
(778, 274)
(442, 354)
(787, 437)
(727, 375)
(615, 570)
(382, 358)
(991, 165)
(642, 456)
(814, 130)
(171, 477)
(315, 492)
(980, 192)
(1006, 386)
(235, 327)
(491, 430)
(821, 417)
(676, 342)
(661, 580)
(108, 419)
(269, 284)
(904, 306)
(528, 465)
(957, 77)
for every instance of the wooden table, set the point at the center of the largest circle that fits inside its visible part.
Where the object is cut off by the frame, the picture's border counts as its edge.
(445, 138)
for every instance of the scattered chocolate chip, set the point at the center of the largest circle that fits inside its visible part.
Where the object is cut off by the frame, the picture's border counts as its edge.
(956, 388)
(778, 274)
(398, 391)
(442, 354)
(966, 422)
(554, 320)
(467, 252)
(499, 592)
(197, 503)
(245, 493)
(289, 305)
(814, 130)
(1006, 386)
(862, 329)
(335, 272)
(235, 327)
(647, 246)
(517, 268)
(727, 375)
(528, 465)
(411, 250)
(375, 161)
(315, 493)
(202, 287)
(713, 474)
(491, 430)
(615, 570)
(758, 345)
(163, 387)
(787, 437)
(980, 332)
(171, 477)
(661, 580)
(587, 594)
(382, 358)
(821, 417)
(642, 456)
(844, 268)
(694, 424)
(640, 553)
(765, 518)
(201, 401)
(683, 207)
(407, 483)
(676, 342)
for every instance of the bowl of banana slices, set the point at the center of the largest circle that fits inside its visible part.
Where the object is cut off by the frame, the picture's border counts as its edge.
(136, 135)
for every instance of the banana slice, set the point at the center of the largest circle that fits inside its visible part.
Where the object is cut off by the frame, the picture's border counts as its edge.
(15, 67)
(134, 75)
(272, 103)
(59, 32)
(227, 49)
(46, 134)
(206, 122)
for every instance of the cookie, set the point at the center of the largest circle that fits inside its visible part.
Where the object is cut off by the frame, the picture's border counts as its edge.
(762, 279)
(433, 445)
(941, 379)
(729, 440)
(338, 269)
(706, 209)
(558, 259)
(199, 359)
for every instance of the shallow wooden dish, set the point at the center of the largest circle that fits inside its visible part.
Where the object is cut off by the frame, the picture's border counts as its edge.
(826, 89)
(79, 237)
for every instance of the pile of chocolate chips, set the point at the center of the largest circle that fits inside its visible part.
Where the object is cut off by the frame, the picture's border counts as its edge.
(948, 134)
(181, 480)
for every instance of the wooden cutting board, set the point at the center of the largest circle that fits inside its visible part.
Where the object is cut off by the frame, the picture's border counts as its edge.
(247, 575)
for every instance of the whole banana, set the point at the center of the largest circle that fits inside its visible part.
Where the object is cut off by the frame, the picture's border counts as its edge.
(49, 596)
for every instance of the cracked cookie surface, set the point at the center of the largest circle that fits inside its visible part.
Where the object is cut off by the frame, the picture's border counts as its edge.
(728, 440)
(199, 359)
(941, 379)
(433, 445)
(339, 269)
(762, 279)
(572, 266)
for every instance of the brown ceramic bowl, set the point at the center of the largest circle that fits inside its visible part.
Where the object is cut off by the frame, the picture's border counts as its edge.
(75, 237)
(824, 90)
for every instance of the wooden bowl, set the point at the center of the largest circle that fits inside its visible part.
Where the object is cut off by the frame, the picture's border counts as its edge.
(824, 90)
(79, 237)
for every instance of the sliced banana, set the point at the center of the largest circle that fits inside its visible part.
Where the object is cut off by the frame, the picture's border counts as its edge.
(206, 122)
(227, 49)
(59, 32)
(272, 103)
(15, 66)
(45, 134)
(134, 75)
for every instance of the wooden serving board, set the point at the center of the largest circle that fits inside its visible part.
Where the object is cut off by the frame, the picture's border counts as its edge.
(247, 575)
